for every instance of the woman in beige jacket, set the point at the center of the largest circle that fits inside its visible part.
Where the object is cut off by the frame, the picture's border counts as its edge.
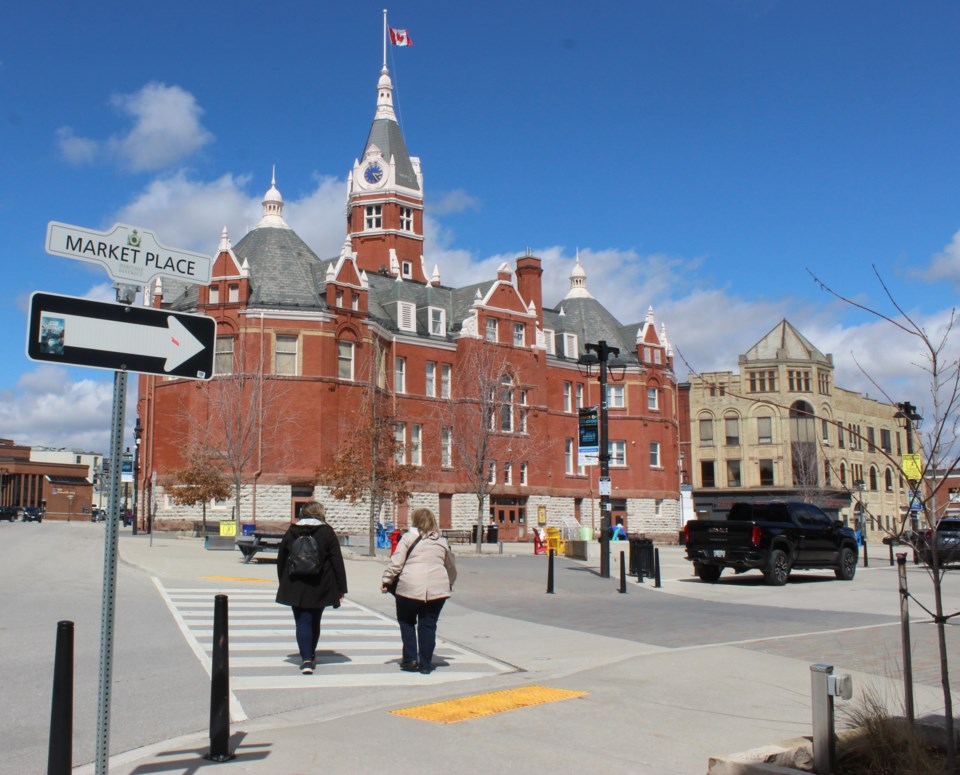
(424, 563)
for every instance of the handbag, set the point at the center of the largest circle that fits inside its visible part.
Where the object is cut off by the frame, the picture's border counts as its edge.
(392, 586)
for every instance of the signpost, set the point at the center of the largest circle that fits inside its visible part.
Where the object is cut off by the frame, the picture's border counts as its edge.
(120, 337)
(123, 338)
(130, 255)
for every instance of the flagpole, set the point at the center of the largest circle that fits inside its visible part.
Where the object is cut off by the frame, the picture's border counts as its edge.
(384, 38)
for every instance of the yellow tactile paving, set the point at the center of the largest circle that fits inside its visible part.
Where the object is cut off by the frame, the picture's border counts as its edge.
(488, 704)
(238, 578)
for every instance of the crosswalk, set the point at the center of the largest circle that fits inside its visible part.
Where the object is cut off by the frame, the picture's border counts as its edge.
(359, 647)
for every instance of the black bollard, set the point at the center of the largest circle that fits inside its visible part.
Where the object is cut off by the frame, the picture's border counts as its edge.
(866, 558)
(890, 546)
(220, 686)
(550, 572)
(60, 752)
(656, 568)
(623, 573)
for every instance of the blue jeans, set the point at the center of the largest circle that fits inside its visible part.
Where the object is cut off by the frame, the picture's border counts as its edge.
(308, 631)
(418, 628)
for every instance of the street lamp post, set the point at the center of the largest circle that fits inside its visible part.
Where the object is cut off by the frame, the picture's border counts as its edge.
(137, 433)
(908, 418)
(604, 358)
(3, 486)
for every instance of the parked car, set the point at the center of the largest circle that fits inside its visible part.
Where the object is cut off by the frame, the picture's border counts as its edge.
(947, 543)
(773, 537)
(8, 513)
(98, 515)
(30, 514)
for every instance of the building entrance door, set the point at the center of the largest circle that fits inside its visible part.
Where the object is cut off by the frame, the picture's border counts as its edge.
(509, 514)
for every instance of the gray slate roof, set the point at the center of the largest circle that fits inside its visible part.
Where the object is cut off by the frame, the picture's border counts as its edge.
(386, 135)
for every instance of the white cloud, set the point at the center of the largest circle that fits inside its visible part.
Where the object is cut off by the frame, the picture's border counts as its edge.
(945, 265)
(456, 201)
(166, 130)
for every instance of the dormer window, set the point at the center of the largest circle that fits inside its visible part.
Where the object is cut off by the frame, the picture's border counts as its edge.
(549, 337)
(373, 218)
(438, 321)
(570, 345)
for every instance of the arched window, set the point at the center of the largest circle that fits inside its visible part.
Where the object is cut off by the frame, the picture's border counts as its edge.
(873, 479)
(888, 480)
(803, 445)
(843, 474)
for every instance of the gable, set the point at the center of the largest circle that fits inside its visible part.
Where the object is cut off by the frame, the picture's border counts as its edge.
(503, 295)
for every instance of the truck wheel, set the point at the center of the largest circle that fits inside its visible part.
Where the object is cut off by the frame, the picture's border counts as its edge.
(709, 573)
(778, 571)
(847, 568)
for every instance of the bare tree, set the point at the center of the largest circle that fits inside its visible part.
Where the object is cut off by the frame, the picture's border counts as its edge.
(199, 482)
(941, 455)
(806, 470)
(367, 465)
(486, 421)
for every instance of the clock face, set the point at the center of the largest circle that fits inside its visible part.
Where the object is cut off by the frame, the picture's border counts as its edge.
(373, 174)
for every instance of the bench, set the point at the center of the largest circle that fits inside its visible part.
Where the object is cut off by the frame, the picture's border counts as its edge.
(457, 536)
(261, 542)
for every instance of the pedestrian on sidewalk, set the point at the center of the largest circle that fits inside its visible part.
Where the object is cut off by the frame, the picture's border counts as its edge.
(312, 576)
(425, 570)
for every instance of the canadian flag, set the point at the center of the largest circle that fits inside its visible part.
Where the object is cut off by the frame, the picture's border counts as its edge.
(400, 38)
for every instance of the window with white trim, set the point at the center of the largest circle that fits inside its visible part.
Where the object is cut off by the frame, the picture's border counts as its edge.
(618, 453)
(506, 404)
(654, 454)
(657, 355)
(399, 375)
(615, 397)
(491, 329)
(285, 355)
(406, 219)
(568, 456)
(373, 217)
(406, 268)
(345, 360)
(523, 473)
(233, 293)
(338, 298)
(406, 316)
(438, 321)
(491, 473)
(430, 380)
(354, 301)
(579, 395)
(400, 435)
(446, 448)
(214, 295)
(568, 396)
(508, 473)
(570, 349)
(653, 398)
(415, 448)
(446, 371)
(519, 335)
(223, 359)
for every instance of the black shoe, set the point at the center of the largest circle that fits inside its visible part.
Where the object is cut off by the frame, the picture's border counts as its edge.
(410, 667)
(426, 670)
(306, 667)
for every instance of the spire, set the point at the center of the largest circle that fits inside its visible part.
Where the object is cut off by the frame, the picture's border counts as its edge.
(578, 282)
(273, 206)
(385, 97)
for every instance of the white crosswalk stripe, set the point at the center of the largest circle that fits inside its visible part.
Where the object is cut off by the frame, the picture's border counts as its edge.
(358, 646)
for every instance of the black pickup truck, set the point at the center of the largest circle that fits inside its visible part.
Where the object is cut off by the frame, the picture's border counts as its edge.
(774, 537)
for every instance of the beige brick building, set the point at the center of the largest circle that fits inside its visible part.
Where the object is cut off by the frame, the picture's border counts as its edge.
(781, 428)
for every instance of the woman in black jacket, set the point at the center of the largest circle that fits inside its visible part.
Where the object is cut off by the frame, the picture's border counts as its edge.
(309, 594)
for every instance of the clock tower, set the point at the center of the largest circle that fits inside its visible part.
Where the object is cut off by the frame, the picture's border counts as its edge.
(385, 198)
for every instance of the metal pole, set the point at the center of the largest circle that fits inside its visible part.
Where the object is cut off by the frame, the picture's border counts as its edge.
(824, 738)
(550, 571)
(656, 568)
(110, 578)
(602, 352)
(220, 685)
(60, 751)
(623, 573)
(905, 635)
(136, 476)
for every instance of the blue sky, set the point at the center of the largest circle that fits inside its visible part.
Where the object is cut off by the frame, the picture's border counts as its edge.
(702, 156)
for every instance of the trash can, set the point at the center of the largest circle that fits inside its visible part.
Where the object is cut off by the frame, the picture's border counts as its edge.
(248, 528)
(641, 557)
(492, 532)
(473, 534)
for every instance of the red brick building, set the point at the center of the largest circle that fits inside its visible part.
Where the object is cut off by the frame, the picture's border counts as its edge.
(303, 339)
(60, 490)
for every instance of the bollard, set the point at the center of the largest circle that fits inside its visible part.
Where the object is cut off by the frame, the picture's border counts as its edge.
(623, 573)
(656, 568)
(866, 559)
(60, 752)
(220, 685)
(891, 552)
(550, 572)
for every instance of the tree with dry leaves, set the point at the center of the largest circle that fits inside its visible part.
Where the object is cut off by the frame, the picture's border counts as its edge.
(200, 482)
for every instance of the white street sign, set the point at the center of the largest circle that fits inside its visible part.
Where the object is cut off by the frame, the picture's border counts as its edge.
(129, 254)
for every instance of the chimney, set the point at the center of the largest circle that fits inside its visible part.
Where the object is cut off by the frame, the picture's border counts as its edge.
(529, 273)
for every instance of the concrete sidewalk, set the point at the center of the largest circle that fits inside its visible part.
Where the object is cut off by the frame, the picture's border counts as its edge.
(646, 709)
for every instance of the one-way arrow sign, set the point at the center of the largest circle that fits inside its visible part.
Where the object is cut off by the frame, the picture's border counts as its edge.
(120, 337)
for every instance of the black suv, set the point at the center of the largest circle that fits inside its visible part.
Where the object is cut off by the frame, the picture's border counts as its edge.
(948, 543)
(8, 513)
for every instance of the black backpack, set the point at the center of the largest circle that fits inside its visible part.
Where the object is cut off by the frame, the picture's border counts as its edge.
(304, 557)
